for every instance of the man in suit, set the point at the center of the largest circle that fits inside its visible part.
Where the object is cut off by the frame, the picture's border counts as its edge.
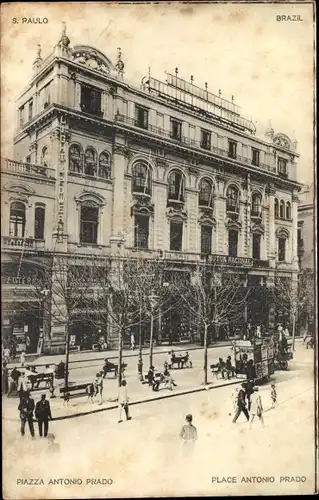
(26, 408)
(241, 404)
(43, 414)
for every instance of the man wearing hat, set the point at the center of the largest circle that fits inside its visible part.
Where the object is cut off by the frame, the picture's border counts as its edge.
(241, 404)
(256, 407)
(43, 414)
(188, 434)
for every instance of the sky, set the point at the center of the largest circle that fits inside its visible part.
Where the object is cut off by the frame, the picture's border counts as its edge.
(242, 49)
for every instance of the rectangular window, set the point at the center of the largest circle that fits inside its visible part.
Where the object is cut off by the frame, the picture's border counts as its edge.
(141, 117)
(176, 236)
(46, 96)
(39, 223)
(282, 167)
(206, 240)
(89, 224)
(28, 159)
(91, 100)
(256, 157)
(160, 120)
(232, 149)
(21, 116)
(256, 246)
(141, 231)
(176, 129)
(30, 110)
(281, 249)
(232, 243)
(205, 139)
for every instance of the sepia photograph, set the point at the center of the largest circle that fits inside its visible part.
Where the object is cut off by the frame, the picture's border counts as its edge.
(158, 249)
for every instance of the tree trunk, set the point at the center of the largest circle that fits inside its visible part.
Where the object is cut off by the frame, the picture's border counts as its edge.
(205, 353)
(120, 349)
(293, 330)
(151, 340)
(67, 355)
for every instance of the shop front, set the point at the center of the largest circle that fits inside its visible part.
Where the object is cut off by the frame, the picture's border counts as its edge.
(22, 326)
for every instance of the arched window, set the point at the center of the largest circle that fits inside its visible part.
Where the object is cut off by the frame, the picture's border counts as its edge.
(282, 209)
(141, 178)
(276, 208)
(256, 205)
(176, 186)
(39, 217)
(45, 157)
(89, 223)
(90, 162)
(104, 165)
(288, 210)
(232, 200)
(206, 193)
(17, 219)
(75, 162)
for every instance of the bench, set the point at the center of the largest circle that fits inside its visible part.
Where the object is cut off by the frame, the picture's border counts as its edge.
(41, 377)
(75, 348)
(111, 367)
(74, 391)
(180, 361)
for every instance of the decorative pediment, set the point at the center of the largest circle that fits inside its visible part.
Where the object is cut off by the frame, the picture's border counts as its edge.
(233, 224)
(257, 228)
(92, 58)
(142, 205)
(20, 189)
(282, 232)
(177, 212)
(283, 141)
(207, 219)
(90, 198)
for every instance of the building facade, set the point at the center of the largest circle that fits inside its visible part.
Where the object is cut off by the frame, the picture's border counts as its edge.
(166, 168)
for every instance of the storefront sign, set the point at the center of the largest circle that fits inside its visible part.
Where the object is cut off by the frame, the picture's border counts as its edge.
(230, 261)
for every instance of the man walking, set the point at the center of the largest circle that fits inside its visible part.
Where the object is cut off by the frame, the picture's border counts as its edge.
(43, 414)
(241, 404)
(132, 342)
(26, 408)
(188, 435)
(123, 401)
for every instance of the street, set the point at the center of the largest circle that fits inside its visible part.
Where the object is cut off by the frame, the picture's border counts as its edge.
(144, 456)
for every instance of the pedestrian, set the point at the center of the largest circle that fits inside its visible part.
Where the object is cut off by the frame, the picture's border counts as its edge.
(132, 342)
(273, 396)
(53, 447)
(43, 415)
(26, 408)
(24, 384)
(249, 388)
(6, 355)
(123, 401)
(256, 407)
(99, 387)
(234, 397)
(241, 404)
(22, 358)
(150, 375)
(188, 435)
(27, 343)
(90, 390)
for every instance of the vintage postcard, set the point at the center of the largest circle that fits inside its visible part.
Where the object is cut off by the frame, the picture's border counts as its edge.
(158, 276)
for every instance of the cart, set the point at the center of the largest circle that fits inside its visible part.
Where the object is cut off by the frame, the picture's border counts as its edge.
(254, 359)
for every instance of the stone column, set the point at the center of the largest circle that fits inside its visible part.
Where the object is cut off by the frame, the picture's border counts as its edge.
(220, 246)
(160, 226)
(271, 234)
(29, 224)
(294, 237)
(77, 103)
(118, 190)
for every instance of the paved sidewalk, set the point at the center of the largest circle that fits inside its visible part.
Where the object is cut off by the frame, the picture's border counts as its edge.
(138, 393)
(75, 357)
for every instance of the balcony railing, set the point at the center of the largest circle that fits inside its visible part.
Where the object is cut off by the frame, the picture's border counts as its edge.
(192, 142)
(19, 242)
(260, 263)
(27, 168)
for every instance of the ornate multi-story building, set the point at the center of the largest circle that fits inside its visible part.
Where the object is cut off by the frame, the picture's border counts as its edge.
(167, 168)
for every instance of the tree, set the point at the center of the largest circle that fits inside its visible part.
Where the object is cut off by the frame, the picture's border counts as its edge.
(215, 296)
(285, 297)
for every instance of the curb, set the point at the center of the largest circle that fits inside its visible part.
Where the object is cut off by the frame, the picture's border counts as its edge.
(141, 401)
(149, 400)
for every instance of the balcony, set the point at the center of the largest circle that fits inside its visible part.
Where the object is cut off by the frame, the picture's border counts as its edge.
(191, 142)
(22, 243)
(260, 263)
(27, 168)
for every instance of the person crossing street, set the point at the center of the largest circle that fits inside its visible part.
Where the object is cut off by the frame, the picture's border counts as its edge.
(241, 404)
(123, 401)
(43, 415)
(26, 408)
